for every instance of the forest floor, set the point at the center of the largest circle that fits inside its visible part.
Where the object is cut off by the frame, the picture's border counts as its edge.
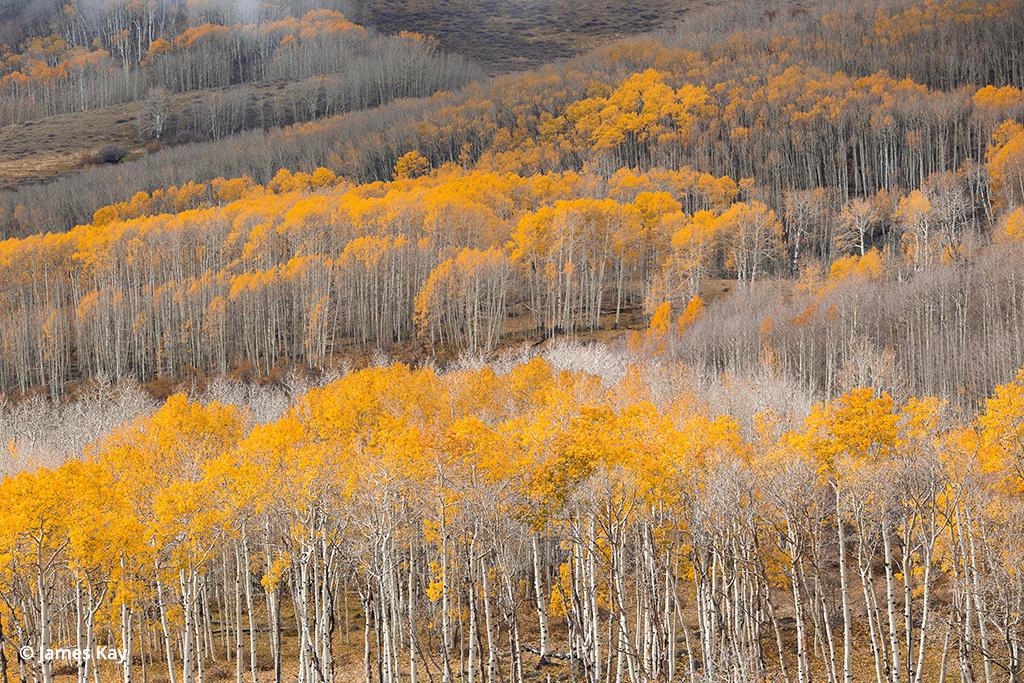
(349, 655)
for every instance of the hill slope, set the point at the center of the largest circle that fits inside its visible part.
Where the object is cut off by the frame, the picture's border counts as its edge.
(513, 35)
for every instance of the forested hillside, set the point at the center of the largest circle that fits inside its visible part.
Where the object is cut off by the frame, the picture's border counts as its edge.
(698, 356)
(569, 200)
(100, 54)
(870, 100)
(180, 72)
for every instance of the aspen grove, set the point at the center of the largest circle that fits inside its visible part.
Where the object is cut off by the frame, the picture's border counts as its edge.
(104, 54)
(485, 522)
(228, 276)
(695, 357)
(869, 213)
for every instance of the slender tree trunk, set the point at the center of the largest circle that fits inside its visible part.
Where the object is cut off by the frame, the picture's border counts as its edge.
(844, 592)
(539, 602)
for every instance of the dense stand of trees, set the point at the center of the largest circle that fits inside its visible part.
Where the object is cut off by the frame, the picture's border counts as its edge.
(234, 275)
(797, 100)
(294, 271)
(478, 524)
(951, 330)
(818, 475)
(134, 51)
(391, 68)
(100, 54)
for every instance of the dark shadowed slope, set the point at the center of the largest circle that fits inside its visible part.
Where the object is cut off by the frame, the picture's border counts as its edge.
(508, 35)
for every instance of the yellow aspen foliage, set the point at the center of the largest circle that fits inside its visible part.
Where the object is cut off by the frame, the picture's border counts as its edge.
(695, 246)
(179, 440)
(753, 234)
(233, 189)
(1002, 434)
(1011, 226)
(921, 420)
(861, 426)
(693, 310)
(561, 591)
(436, 585)
(867, 268)
(1005, 163)
(34, 517)
(323, 177)
(1004, 102)
(652, 208)
(643, 109)
(282, 182)
(660, 321)
(915, 214)
(188, 195)
(276, 572)
(411, 165)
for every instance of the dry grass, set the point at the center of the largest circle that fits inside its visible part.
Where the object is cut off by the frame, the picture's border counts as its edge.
(39, 150)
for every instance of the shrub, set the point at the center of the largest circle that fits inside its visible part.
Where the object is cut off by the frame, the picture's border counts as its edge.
(111, 154)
